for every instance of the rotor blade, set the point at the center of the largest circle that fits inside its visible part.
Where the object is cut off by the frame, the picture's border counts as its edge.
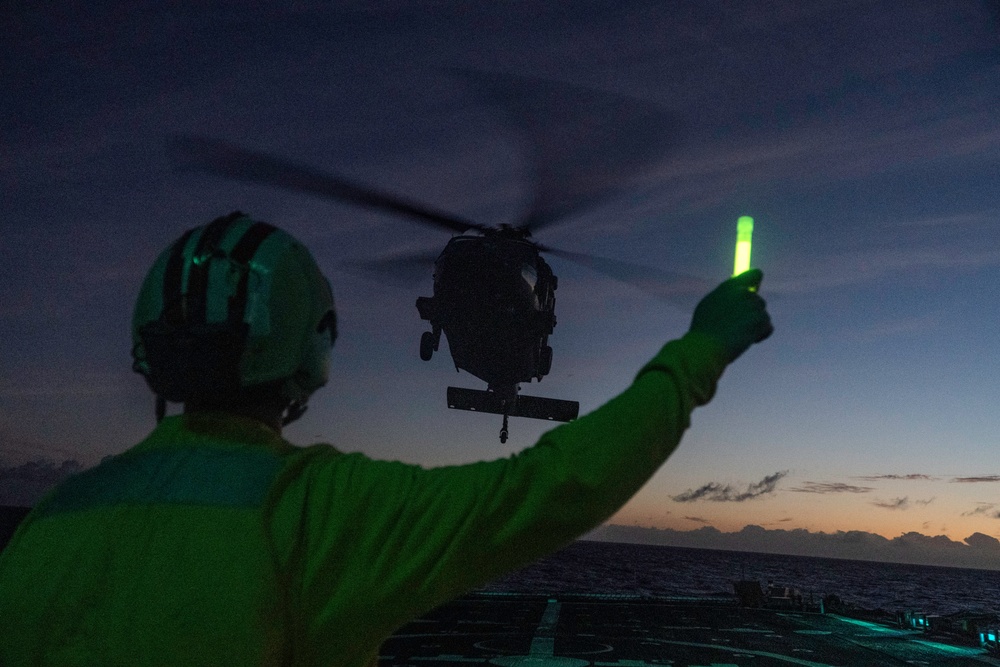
(406, 269)
(223, 159)
(588, 145)
(678, 289)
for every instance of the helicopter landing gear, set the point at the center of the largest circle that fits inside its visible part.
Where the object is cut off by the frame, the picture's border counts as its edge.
(429, 344)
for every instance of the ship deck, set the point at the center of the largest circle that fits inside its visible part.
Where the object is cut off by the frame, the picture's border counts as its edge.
(579, 631)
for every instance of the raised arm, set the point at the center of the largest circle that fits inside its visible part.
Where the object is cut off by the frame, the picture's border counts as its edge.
(433, 534)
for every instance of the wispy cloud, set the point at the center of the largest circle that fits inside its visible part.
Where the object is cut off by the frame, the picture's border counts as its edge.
(984, 509)
(718, 492)
(775, 523)
(903, 503)
(52, 383)
(897, 327)
(831, 487)
(803, 273)
(976, 479)
(697, 519)
(974, 219)
(710, 490)
(895, 504)
(910, 477)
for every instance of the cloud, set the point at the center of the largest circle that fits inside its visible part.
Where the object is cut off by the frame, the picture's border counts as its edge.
(775, 523)
(980, 541)
(910, 477)
(24, 485)
(976, 551)
(973, 219)
(974, 480)
(726, 493)
(697, 519)
(897, 327)
(802, 273)
(48, 382)
(915, 540)
(896, 504)
(831, 487)
(903, 503)
(710, 490)
(986, 509)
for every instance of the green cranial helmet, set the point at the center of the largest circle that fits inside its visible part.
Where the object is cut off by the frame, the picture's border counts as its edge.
(232, 308)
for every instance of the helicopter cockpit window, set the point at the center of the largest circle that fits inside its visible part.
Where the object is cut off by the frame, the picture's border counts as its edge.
(530, 275)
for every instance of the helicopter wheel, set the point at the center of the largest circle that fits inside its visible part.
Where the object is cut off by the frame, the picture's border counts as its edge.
(427, 346)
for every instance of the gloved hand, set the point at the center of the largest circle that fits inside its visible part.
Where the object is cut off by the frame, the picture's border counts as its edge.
(734, 314)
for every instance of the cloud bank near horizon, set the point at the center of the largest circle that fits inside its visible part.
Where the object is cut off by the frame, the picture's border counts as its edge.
(24, 485)
(977, 551)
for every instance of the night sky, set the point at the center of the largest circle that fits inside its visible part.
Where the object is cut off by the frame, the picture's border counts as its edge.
(863, 137)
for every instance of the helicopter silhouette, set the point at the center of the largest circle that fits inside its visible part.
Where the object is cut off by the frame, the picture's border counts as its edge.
(493, 292)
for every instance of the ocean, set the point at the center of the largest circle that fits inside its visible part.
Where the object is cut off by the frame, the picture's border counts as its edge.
(651, 571)
(609, 568)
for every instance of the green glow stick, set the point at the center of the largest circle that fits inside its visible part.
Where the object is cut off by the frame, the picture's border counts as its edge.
(744, 231)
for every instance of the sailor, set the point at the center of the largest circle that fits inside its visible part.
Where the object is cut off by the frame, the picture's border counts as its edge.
(215, 541)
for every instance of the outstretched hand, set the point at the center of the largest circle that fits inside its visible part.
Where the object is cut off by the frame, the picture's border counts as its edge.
(734, 314)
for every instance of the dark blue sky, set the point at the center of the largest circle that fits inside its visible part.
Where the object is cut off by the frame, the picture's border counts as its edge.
(862, 136)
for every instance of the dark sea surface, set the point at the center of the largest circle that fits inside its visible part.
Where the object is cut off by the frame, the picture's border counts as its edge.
(605, 568)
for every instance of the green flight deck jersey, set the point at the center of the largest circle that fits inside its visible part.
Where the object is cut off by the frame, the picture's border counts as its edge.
(216, 542)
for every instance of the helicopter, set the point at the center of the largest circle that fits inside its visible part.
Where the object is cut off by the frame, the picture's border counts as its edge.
(494, 298)
(493, 292)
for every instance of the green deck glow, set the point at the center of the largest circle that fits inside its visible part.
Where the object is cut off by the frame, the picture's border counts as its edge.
(744, 233)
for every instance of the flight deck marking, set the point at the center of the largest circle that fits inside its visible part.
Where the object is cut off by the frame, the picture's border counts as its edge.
(765, 654)
(448, 658)
(542, 650)
(948, 648)
(750, 630)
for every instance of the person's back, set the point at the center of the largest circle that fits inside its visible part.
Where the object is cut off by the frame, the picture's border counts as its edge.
(215, 541)
(152, 557)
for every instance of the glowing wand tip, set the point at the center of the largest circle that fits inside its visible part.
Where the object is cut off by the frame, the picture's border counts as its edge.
(744, 233)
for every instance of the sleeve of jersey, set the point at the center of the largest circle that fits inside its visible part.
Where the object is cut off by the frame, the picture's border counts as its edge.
(428, 535)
